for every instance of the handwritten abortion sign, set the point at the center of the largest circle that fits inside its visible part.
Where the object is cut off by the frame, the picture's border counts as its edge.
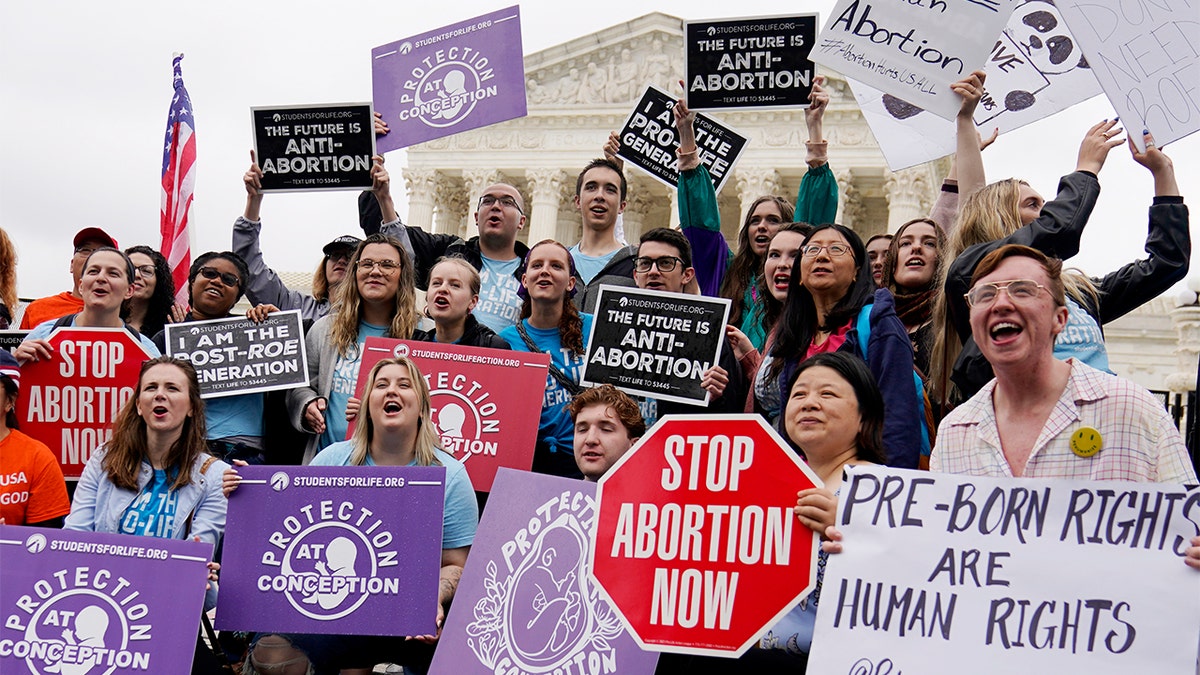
(333, 550)
(314, 147)
(1146, 57)
(757, 62)
(70, 401)
(525, 603)
(477, 418)
(455, 78)
(654, 343)
(912, 50)
(239, 356)
(1010, 576)
(649, 140)
(1035, 70)
(82, 602)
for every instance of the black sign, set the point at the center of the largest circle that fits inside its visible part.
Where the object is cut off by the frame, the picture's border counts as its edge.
(10, 339)
(655, 344)
(314, 147)
(649, 140)
(750, 63)
(238, 356)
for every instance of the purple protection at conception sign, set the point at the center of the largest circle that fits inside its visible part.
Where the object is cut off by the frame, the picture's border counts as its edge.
(525, 604)
(333, 550)
(453, 79)
(82, 602)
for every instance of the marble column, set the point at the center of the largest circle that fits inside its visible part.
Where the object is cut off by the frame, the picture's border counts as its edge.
(673, 209)
(421, 187)
(908, 196)
(1186, 320)
(851, 211)
(637, 207)
(546, 186)
(450, 202)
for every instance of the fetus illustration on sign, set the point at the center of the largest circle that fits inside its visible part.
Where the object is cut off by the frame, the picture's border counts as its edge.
(454, 85)
(340, 556)
(91, 622)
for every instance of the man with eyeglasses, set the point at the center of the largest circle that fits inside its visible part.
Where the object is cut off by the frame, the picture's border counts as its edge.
(68, 302)
(664, 263)
(495, 251)
(1041, 417)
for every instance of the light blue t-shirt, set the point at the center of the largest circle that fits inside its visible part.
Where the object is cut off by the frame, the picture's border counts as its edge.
(152, 512)
(555, 428)
(341, 389)
(499, 305)
(460, 513)
(45, 328)
(1081, 339)
(240, 415)
(589, 266)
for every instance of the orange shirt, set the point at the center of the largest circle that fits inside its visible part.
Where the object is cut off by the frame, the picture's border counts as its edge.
(32, 488)
(50, 307)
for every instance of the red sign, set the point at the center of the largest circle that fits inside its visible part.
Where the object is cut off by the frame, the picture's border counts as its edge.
(481, 400)
(69, 402)
(697, 546)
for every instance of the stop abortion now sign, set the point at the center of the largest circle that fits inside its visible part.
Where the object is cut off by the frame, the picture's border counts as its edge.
(696, 544)
(69, 401)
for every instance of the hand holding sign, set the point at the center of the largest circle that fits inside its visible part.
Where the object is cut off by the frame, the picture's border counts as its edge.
(1096, 143)
(1159, 163)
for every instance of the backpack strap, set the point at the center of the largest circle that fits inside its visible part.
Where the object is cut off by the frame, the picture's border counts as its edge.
(863, 327)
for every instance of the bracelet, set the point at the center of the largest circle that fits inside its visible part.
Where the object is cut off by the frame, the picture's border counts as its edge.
(679, 152)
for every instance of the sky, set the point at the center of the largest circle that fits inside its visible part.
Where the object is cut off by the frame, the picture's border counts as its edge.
(86, 87)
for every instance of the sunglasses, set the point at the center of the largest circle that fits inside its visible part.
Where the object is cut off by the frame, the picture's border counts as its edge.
(225, 277)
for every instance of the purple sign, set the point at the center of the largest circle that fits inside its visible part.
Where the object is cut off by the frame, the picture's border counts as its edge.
(82, 602)
(333, 550)
(455, 78)
(525, 604)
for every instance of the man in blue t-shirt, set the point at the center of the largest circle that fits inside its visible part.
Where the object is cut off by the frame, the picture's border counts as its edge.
(496, 253)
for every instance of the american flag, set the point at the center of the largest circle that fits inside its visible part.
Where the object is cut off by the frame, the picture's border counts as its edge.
(178, 178)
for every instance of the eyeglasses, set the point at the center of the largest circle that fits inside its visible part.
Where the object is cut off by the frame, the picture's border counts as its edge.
(1019, 291)
(85, 250)
(488, 201)
(225, 277)
(339, 256)
(144, 271)
(835, 250)
(666, 263)
(386, 267)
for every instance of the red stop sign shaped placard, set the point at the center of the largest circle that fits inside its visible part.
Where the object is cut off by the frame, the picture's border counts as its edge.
(69, 401)
(696, 543)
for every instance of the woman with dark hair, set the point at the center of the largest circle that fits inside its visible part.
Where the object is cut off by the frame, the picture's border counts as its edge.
(153, 303)
(551, 324)
(834, 417)
(830, 312)
(735, 276)
(32, 489)
(381, 302)
(453, 291)
(910, 271)
(153, 477)
(106, 283)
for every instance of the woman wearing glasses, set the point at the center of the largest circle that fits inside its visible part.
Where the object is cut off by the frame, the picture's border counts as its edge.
(153, 303)
(551, 324)
(829, 312)
(263, 285)
(380, 302)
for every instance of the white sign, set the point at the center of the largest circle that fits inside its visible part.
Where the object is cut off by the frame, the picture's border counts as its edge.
(1146, 57)
(913, 50)
(1035, 70)
(1009, 576)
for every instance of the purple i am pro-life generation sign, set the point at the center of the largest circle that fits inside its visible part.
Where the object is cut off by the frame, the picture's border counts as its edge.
(525, 603)
(333, 550)
(82, 602)
(452, 79)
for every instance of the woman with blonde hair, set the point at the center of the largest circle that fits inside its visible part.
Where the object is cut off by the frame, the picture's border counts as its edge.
(8, 280)
(1011, 212)
(453, 291)
(379, 301)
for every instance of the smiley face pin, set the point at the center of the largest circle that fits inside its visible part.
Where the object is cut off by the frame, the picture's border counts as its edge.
(1086, 442)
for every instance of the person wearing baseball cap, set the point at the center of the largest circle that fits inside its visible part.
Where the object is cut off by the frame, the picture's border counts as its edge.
(34, 492)
(68, 302)
(264, 286)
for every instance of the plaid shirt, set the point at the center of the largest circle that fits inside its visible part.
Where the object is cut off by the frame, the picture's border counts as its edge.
(1140, 442)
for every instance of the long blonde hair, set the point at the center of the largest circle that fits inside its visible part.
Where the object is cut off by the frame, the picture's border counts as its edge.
(8, 272)
(364, 429)
(991, 213)
(346, 315)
